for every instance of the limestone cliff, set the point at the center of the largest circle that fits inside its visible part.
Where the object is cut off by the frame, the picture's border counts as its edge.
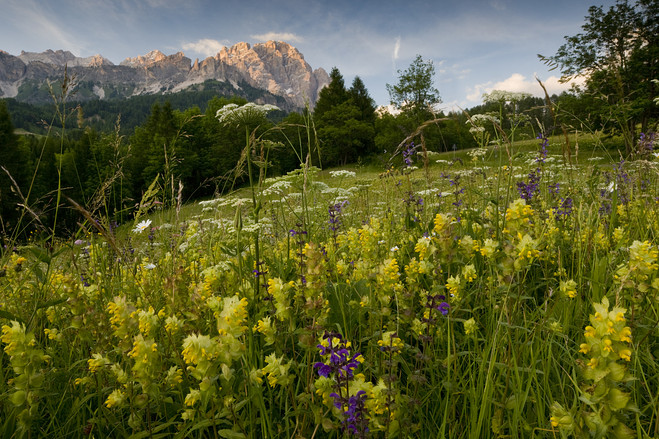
(274, 66)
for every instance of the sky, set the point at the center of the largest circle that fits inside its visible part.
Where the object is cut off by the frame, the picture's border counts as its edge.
(476, 46)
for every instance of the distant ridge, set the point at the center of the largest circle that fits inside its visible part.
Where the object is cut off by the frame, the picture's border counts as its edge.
(273, 66)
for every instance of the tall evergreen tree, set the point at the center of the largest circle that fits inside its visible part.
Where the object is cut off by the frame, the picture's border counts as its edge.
(333, 94)
(362, 100)
(345, 121)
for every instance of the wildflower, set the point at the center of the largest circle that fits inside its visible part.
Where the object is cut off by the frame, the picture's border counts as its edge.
(423, 247)
(277, 371)
(607, 345)
(142, 226)
(453, 285)
(625, 334)
(200, 351)
(489, 248)
(469, 273)
(625, 354)
(568, 288)
(174, 376)
(119, 373)
(354, 414)
(97, 362)
(82, 381)
(232, 317)
(52, 334)
(116, 399)
(335, 216)
(390, 342)
(339, 361)
(528, 190)
(590, 331)
(280, 294)
(408, 153)
(233, 114)
(643, 257)
(255, 376)
(192, 397)
(470, 326)
(342, 173)
(173, 324)
(264, 326)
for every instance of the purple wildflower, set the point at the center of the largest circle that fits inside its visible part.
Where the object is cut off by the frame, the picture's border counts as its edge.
(407, 154)
(528, 190)
(542, 154)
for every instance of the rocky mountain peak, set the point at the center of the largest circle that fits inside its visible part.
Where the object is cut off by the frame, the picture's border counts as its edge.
(62, 58)
(144, 60)
(275, 66)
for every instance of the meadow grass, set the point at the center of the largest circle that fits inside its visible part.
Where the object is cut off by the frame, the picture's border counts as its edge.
(467, 298)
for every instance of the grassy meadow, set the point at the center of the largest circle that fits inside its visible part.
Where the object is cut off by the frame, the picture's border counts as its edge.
(506, 291)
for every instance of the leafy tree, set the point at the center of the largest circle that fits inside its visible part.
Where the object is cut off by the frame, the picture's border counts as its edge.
(415, 93)
(617, 54)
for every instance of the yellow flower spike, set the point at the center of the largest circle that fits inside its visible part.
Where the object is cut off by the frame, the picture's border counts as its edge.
(584, 348)
(593, 363)
(116, 398)
(608, 345)
(97, 362)
(192, 397)
(611, 329)
(625, 354)
(620, 317)
(590, 332)
(625, 334)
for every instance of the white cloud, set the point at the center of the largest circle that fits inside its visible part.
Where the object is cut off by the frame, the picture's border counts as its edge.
(205, 46)
(394, 56)
(278, 36)
(520, 83)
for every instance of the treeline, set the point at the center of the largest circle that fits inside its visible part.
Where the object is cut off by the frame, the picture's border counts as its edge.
(101, 114)
(106, 167)
(105, 154)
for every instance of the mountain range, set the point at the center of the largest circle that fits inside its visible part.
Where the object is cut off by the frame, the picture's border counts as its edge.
(275, 67)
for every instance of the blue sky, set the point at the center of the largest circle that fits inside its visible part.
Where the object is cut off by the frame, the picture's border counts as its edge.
(476, 46)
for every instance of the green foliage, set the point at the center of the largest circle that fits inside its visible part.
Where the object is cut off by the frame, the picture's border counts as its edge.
(345, 121)
(14, 176)
(616, 53)
(415, 92)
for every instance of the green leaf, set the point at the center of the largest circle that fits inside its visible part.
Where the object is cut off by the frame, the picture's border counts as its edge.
(617, 399)
(230, 434)
(617, 371)
(18, 398)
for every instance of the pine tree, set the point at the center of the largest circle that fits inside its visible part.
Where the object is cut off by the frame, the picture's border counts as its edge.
(333, 94)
